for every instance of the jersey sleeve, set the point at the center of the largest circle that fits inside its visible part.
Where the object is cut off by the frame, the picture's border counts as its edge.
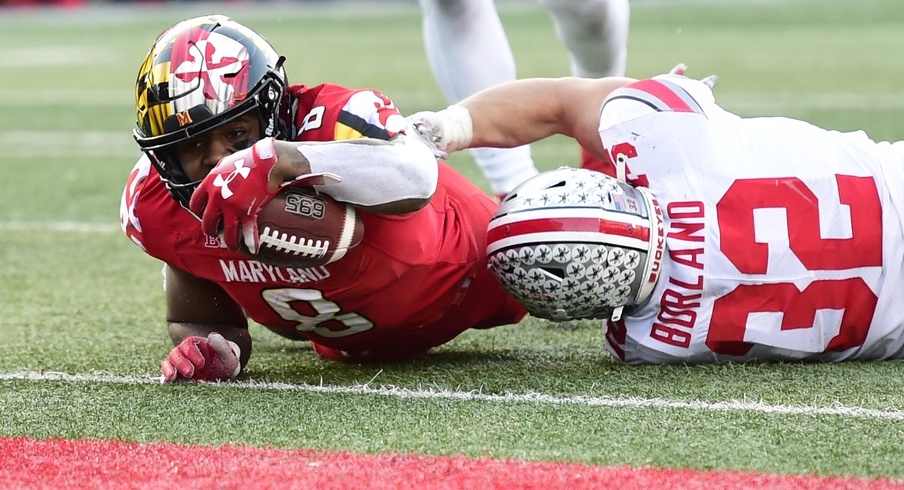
(663, 93)
(372, 114)
(333, 113)
(127, 217)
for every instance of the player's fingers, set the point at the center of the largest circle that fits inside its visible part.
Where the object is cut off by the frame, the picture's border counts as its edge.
(232, 236)
(198, 202)
(710, 81)
(181, 364)
(169, 372)
(225, 360)
(679, 69)
(211, 221)
(219, 345)
(190, 352)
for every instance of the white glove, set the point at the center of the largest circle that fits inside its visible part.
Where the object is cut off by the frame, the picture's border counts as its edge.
(709, 81)
(442, 132)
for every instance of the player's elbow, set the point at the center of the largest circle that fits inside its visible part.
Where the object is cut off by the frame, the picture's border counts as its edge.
(418, 177)
(421, 173)
(409, 182)
(394, 177)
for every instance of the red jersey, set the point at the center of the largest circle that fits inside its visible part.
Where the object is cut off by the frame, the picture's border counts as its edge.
(414, 282)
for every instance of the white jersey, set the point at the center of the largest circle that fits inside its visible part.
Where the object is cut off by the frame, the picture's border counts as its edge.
(784, 240)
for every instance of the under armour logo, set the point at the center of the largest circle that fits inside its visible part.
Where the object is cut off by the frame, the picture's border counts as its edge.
(223, 182)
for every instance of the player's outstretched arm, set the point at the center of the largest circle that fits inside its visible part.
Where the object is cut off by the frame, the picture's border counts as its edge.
(390, 177)
(209, 330)
(520, 112)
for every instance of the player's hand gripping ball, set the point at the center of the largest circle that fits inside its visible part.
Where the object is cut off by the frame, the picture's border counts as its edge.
(300, 228)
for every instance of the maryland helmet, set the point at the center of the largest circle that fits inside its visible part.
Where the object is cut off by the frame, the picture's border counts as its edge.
(574, 244)
(200, 74)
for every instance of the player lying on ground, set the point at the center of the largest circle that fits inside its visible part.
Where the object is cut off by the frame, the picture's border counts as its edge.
(211, 90)
(780, 240)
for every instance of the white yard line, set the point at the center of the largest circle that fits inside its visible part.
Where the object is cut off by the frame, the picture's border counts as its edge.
(37, 56)
(530, 398)
(60, 226)
(33, 145)
(82, 97)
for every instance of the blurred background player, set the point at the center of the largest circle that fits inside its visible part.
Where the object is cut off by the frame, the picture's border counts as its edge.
(468, 51)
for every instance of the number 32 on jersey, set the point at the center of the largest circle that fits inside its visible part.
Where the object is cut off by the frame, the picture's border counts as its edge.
(849, 293)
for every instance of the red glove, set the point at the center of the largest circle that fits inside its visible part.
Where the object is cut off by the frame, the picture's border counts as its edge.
(231, 195)
(202, 359)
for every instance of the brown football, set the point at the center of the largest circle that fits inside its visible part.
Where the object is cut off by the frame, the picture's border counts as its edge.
(302, 228)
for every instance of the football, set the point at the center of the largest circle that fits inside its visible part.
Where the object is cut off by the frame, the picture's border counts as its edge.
(299, 227)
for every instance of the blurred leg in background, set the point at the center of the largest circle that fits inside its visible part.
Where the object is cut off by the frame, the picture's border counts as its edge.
(595, 32)
(468, 51)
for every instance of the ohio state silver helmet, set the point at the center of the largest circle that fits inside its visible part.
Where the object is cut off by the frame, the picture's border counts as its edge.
(573, 243)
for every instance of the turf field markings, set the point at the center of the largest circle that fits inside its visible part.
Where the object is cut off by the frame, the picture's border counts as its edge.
(70, 145)
(30, 98)
(440, 394)
(57, 463)
(39, 56)
(60, 226)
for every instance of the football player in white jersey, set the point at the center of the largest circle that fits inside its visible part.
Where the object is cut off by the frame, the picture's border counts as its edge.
(468, 51)
(778, 240)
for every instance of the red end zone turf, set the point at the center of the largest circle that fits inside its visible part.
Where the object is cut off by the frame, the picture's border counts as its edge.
(54, 463)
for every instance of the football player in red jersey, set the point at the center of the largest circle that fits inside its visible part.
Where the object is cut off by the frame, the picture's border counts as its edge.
(212, 88)
(763, 238)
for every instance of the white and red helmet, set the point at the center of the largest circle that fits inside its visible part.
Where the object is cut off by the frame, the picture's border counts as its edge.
(573, 243)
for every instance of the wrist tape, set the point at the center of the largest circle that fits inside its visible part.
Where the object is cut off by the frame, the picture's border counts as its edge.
(458, 128)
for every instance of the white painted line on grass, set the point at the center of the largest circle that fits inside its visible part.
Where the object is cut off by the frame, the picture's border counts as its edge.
(41, 56)
(81, 97)
(60, 226)
(71, 145)
(437, 394)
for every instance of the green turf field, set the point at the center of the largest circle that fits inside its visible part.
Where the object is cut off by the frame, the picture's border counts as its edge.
(78, 298)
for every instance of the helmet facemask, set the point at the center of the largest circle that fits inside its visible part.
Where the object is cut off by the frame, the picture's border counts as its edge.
(576, 244)
(201, 74)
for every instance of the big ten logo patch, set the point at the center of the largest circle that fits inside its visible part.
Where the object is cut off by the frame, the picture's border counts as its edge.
(213, 242)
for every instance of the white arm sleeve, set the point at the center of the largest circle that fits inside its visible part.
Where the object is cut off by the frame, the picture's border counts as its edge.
(374, 172)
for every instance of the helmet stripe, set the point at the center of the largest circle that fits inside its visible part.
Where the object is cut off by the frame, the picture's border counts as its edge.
(578, 230)
(593, 212)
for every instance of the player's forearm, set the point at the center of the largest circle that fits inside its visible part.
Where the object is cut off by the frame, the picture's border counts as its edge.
(512, 114)
(528, 110)
(394, 177)
(179, 331)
